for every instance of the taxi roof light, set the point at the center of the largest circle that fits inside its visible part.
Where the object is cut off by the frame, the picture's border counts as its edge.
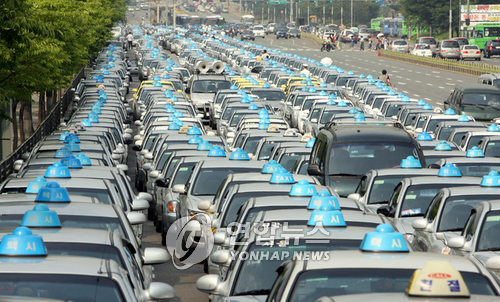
(57, 170)
(34, 186)
(72, 146)
(474, 152)
(239, 154)
(63, 152)
(326, 219)
(324, 201)
(216, 151)
(449, 170)
(195, 139)
(71, 162)
(22, 242)
(84, 160)
(303, 188)
(71, 138)
(194, 131)
(410, 163)
(204, 146)
(41, 217)
(491, 180)
(437, 279)
(310, 142)
(271, 167)
(384, 239)
(282, 176)
(443, 146)
(52, 192)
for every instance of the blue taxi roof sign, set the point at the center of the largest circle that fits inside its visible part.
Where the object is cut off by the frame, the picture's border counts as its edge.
(170, 109)
(41, 217)
(194, 131)
(72, 162)
(93, 117)
(443, 146)
(63, 135)
(63, 152)
(216, 151)
(22, 242)
(491, 180)
(84, 160)
(195, 139)
(204, 146)
(71, 138)
(322, 93)
(331, 102)
(424, 136)
(305, 89)
(421, 102)
(72, 146)
(253, 107)
(323, 85)
(463, 118)
(303, 188)
(342, 103)
(332, 96)
(437, 279)
(57, 170)
(493, 128)
(353, 110)
(168, 93)
(271, 167)
(326, 219)
(449, 170)
(36, 184)
(312, 90)
(52, 192)
(324, 201)
(239, 154)
(427, 107)
(474, 152)
(282, 177)
(310, 142)
(174, 126)
(410, 163)
(384, 239)
(449, 111)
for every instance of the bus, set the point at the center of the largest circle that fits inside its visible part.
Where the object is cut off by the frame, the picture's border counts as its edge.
(247, 19)
(375, 24)
(480, 33)
(214, 21)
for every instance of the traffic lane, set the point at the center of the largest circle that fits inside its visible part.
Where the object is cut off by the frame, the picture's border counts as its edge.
(183, 281)
(434, 86)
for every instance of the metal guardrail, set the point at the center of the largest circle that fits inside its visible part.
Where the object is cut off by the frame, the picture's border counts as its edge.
(45, 128)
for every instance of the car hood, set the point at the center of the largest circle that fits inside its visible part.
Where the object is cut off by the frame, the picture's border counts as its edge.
(247, 298)
(404, 225)
(344, 185)
(201, 97)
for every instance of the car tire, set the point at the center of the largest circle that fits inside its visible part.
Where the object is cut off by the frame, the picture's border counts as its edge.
(163, 237)
(479, 59)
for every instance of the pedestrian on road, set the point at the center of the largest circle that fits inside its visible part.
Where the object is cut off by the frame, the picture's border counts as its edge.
(339, 44)
(130, 40)
(265, 54)
(305, 71)
(385, 78)
(352, 43)
(362, 44)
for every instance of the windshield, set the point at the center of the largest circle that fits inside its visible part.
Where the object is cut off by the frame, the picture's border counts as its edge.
(342, 80)
(270, 95)
(428, 41)
(251, 144)
(313, 284)
(489, 239)
(76, 288)
(359, 157)
(288, 160)
(400, 43)
(331, 78)
(209, 180)
(183, 173)
(209, 86)
(457, 210)
(418, 198)
(233, 205)
(258, 276)
(483, 99)
(432, 124)
(221, 96)
(496, 83)
(450, 44)
(266, 150)
(85, 250)
(383, 187)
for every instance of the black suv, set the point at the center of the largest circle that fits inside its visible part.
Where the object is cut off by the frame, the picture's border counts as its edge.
(491, 48)
(345, 151)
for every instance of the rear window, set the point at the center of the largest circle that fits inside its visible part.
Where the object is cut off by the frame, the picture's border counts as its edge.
(471, 47)
(495, 43)
(423, 46)
(400, 43)
(428, 41)
(462, 41)
(450, 44)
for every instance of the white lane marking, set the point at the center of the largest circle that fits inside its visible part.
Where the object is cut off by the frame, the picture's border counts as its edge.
(435, 71)
(439, 103)
(418, 72)
(416, 95)
(404, 91)
(450, 84)
(449, 79)
(459, 81)
(427, 99)
(400, 83)
(440, 87)
(399, 77)
(418, 81)
(429, 84)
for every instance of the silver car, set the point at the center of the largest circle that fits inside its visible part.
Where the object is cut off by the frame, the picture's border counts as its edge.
(448, 49)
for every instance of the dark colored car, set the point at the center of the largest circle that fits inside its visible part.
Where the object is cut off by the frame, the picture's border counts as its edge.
(295, 33)
(344, 152)
(282, 33)
(247, 35)
(482, 102)
(461, 41)
(491, 48)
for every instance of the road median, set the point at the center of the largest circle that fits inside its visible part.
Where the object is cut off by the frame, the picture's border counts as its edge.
(313, 38)
(468, 68)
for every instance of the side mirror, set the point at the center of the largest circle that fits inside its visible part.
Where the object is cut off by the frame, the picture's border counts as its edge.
(354, 196)
(204, 205)
(136, 218)
(230, 134)
(154, 174)
(146, 166)
(420, 224)
(386, 210)
(220, 238)
(456, 242)
(153, 255)
(314, 170)
(187, 90)
(134, 90)
(145, 196)
(161, 291)
(162, 182)
(122, 167)
(136, 148)
(446, 102)
(314, 120)
(493, 263)
(208, 283)
(282, 103)
(221, 257)
(128, 141)
(148, 156)
(181, 189)
(140, 204)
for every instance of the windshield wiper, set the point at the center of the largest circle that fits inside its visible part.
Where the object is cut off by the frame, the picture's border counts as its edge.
(452, 230)
(344, 174)
(379, 202)
(475, 105)
(254, 292)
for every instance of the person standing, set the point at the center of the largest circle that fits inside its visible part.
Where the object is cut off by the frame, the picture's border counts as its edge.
(385, 78)
(130, 40)
(339, 44)
(305, 71)
(352, 43)
(265, 54)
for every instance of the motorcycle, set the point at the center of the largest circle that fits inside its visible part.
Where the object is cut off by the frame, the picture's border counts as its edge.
(327, 46)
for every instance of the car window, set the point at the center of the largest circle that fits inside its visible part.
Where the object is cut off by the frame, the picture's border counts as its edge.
(400, 43)
(450, 44)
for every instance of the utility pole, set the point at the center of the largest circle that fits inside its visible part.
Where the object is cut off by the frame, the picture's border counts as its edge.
(308, 22)
(166, 12)
(332, 12)
(268, 13)
(262, 15)
(240, 9)
(449, 27)
(173, 15)
(352, 11)
(341, 13)
(324, 15)
(274, 14)
(291, 11)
